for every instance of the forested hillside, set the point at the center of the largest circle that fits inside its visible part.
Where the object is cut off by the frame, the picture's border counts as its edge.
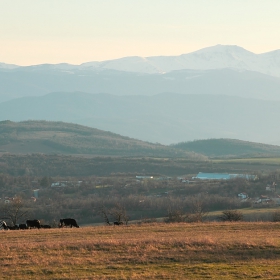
(65, 138)
(229, 148)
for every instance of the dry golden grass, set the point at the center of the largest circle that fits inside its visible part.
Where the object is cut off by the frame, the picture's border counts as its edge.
(157, 251)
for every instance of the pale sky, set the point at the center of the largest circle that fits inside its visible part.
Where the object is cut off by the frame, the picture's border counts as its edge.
(77, 31)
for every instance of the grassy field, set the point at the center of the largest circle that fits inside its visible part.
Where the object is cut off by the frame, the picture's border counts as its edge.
(155, 251)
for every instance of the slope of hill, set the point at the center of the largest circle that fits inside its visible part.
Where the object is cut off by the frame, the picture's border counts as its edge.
(58, 137)
(164, 118)
(229, 148)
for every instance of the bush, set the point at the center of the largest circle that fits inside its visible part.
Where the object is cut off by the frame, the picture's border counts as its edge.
(231, 216)
(276, 216)
(175, 216)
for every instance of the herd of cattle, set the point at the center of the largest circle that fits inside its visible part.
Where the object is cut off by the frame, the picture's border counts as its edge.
(37, 224)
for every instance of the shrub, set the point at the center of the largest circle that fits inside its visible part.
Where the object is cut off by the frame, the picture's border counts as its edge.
(175, 216)
(276, 216)
(231, 216)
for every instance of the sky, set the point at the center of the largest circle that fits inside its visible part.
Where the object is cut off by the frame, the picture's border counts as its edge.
(77, 31)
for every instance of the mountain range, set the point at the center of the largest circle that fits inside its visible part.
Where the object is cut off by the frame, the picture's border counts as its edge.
(215, 57)
(163, 118)
(216, 92)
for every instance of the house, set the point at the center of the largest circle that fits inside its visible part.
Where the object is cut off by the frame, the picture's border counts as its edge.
(243, 195)
(36, 193)
(59, 184)
(264, 199)
(276, 199)
(144, 177)
(271, 187)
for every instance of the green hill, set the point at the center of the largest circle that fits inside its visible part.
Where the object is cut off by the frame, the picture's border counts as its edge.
(66, 138)
(229, 148)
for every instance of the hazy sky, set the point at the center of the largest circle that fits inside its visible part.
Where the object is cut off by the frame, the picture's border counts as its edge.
(76, 31)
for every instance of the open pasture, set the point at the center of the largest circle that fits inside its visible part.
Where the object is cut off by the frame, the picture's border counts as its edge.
(154, 251)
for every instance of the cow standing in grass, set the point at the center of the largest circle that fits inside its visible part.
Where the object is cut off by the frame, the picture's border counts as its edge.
(22, 226)
(116, 223)
(4, 225)
(68, 223)
(33, 224)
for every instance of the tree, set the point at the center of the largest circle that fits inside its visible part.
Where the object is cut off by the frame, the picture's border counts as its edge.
(45, 182)
(118, 214)
(175, 215)
(198, 212)
(14, 210)
(231, 216)
(104, 214)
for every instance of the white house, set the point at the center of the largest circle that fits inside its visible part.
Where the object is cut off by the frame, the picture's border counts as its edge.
(243, 195)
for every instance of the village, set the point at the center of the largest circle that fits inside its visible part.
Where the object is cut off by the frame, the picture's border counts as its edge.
(146, 196)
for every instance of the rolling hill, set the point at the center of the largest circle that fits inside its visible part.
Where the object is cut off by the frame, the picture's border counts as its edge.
(229, 148)
(66, 138)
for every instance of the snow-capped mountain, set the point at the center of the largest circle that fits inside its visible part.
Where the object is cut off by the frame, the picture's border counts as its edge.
(8, 66)
(219, 91)
(215, 57)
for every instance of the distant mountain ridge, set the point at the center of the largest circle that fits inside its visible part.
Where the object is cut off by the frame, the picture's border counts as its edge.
(163, 118)
(215, 57)
(27, 82)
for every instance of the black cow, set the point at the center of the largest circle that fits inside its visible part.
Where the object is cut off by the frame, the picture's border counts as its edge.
(68, 223)
(118, 223)
(15, 227)
(22, 226)
(33, 224)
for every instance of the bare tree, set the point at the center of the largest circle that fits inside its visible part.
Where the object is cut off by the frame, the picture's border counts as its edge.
(198, 211)
(14, 210)
(118, 213)
(104, 214)
(175, 215)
